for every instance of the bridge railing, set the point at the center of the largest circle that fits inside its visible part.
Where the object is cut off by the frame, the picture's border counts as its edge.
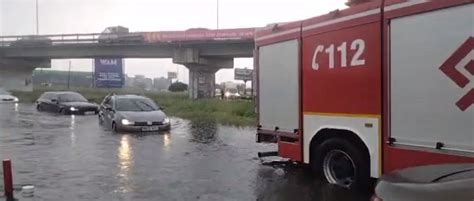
(190, 35)
(56, 39)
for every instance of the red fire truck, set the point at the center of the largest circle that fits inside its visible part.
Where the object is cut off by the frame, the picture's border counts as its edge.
(366, 90)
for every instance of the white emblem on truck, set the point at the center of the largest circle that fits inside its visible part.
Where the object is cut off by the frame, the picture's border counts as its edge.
(449, 68)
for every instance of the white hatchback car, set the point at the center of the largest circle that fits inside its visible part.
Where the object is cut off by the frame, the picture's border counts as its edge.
(6, 97)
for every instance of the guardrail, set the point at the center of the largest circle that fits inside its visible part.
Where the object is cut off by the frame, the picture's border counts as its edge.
(41, 40)
(192, 35)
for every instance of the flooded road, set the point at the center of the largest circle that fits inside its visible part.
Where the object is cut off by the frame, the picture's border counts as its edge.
(73, 158)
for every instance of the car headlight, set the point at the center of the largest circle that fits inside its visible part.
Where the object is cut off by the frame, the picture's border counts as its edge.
(166, 120)
(73, 109)
(227, 94)
(127, 122)
(238, 95)
(16, 100)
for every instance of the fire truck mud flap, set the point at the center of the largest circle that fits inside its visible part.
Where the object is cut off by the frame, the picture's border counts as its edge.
(266, 136)
(274, 136)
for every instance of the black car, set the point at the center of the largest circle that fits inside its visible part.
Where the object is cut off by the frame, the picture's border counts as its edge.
(446, 182)
(65, 102)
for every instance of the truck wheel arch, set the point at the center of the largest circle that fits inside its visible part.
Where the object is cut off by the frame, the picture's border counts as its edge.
(328, 133)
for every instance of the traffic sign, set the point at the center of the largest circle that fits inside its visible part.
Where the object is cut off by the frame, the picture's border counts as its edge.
(243, 74)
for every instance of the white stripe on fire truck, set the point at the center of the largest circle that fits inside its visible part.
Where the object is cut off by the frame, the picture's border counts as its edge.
(364, 14)
(403, 5)
(290, 31)
(342, 19)
(346, 18)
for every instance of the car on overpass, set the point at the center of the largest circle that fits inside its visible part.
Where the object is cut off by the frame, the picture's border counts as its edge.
(65, 102)
(432, 182)
(6, 97)
(132, 113)
(32, 41)
(119, 34)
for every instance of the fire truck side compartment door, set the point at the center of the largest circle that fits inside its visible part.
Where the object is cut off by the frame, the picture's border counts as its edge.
(425, 107)
(278, 85)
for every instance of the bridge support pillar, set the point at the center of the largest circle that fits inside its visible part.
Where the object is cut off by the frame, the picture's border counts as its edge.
(16, 74)
(202, 70)
(202, 82)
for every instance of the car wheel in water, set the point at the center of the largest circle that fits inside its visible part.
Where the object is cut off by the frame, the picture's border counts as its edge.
(101, 120)
(114, 127)
(63, 111)
(342, 163)
(39, 108)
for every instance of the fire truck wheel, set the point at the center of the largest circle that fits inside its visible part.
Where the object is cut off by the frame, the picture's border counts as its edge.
(342, 163)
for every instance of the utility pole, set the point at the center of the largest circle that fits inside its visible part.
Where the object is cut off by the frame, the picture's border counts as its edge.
(69, 75)
(245, 88)
(37, 19)
(177, 73)
(217, 23)
(93, 74)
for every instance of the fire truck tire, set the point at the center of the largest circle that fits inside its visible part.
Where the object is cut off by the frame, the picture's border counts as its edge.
(342, 163)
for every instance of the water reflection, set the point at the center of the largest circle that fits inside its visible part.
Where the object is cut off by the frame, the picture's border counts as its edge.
(73, 122)
(197, 161)
(71, 127)
(290, 182)
(166, 140)
(125, 156)
(203, 131)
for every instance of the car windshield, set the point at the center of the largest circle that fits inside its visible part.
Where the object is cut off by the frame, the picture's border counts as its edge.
(135, 104)
(233, 91)
(72, 97)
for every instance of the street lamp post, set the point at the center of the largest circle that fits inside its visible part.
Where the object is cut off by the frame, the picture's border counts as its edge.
(217, 18)
(37, 19)
(69, 75)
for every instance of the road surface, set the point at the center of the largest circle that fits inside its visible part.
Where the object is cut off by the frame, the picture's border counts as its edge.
(73, 158)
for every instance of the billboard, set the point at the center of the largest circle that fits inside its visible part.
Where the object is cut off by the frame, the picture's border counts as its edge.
(108, 72)
(243, 74)
(200, 34)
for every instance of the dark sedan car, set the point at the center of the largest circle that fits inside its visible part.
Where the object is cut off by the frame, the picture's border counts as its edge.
(65, 102)
(448, 182)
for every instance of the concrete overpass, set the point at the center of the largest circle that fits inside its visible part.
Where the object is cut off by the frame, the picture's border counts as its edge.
(202, 51)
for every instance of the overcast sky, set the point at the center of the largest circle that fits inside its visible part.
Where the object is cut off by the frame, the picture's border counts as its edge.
(17, 17)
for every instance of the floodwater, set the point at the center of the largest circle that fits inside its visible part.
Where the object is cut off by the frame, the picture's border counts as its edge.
(69, 158)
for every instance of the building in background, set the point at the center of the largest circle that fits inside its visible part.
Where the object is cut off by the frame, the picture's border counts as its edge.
(128, 81)
(142, 82)
(60, 78)
(161, 84)
(54, 78)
